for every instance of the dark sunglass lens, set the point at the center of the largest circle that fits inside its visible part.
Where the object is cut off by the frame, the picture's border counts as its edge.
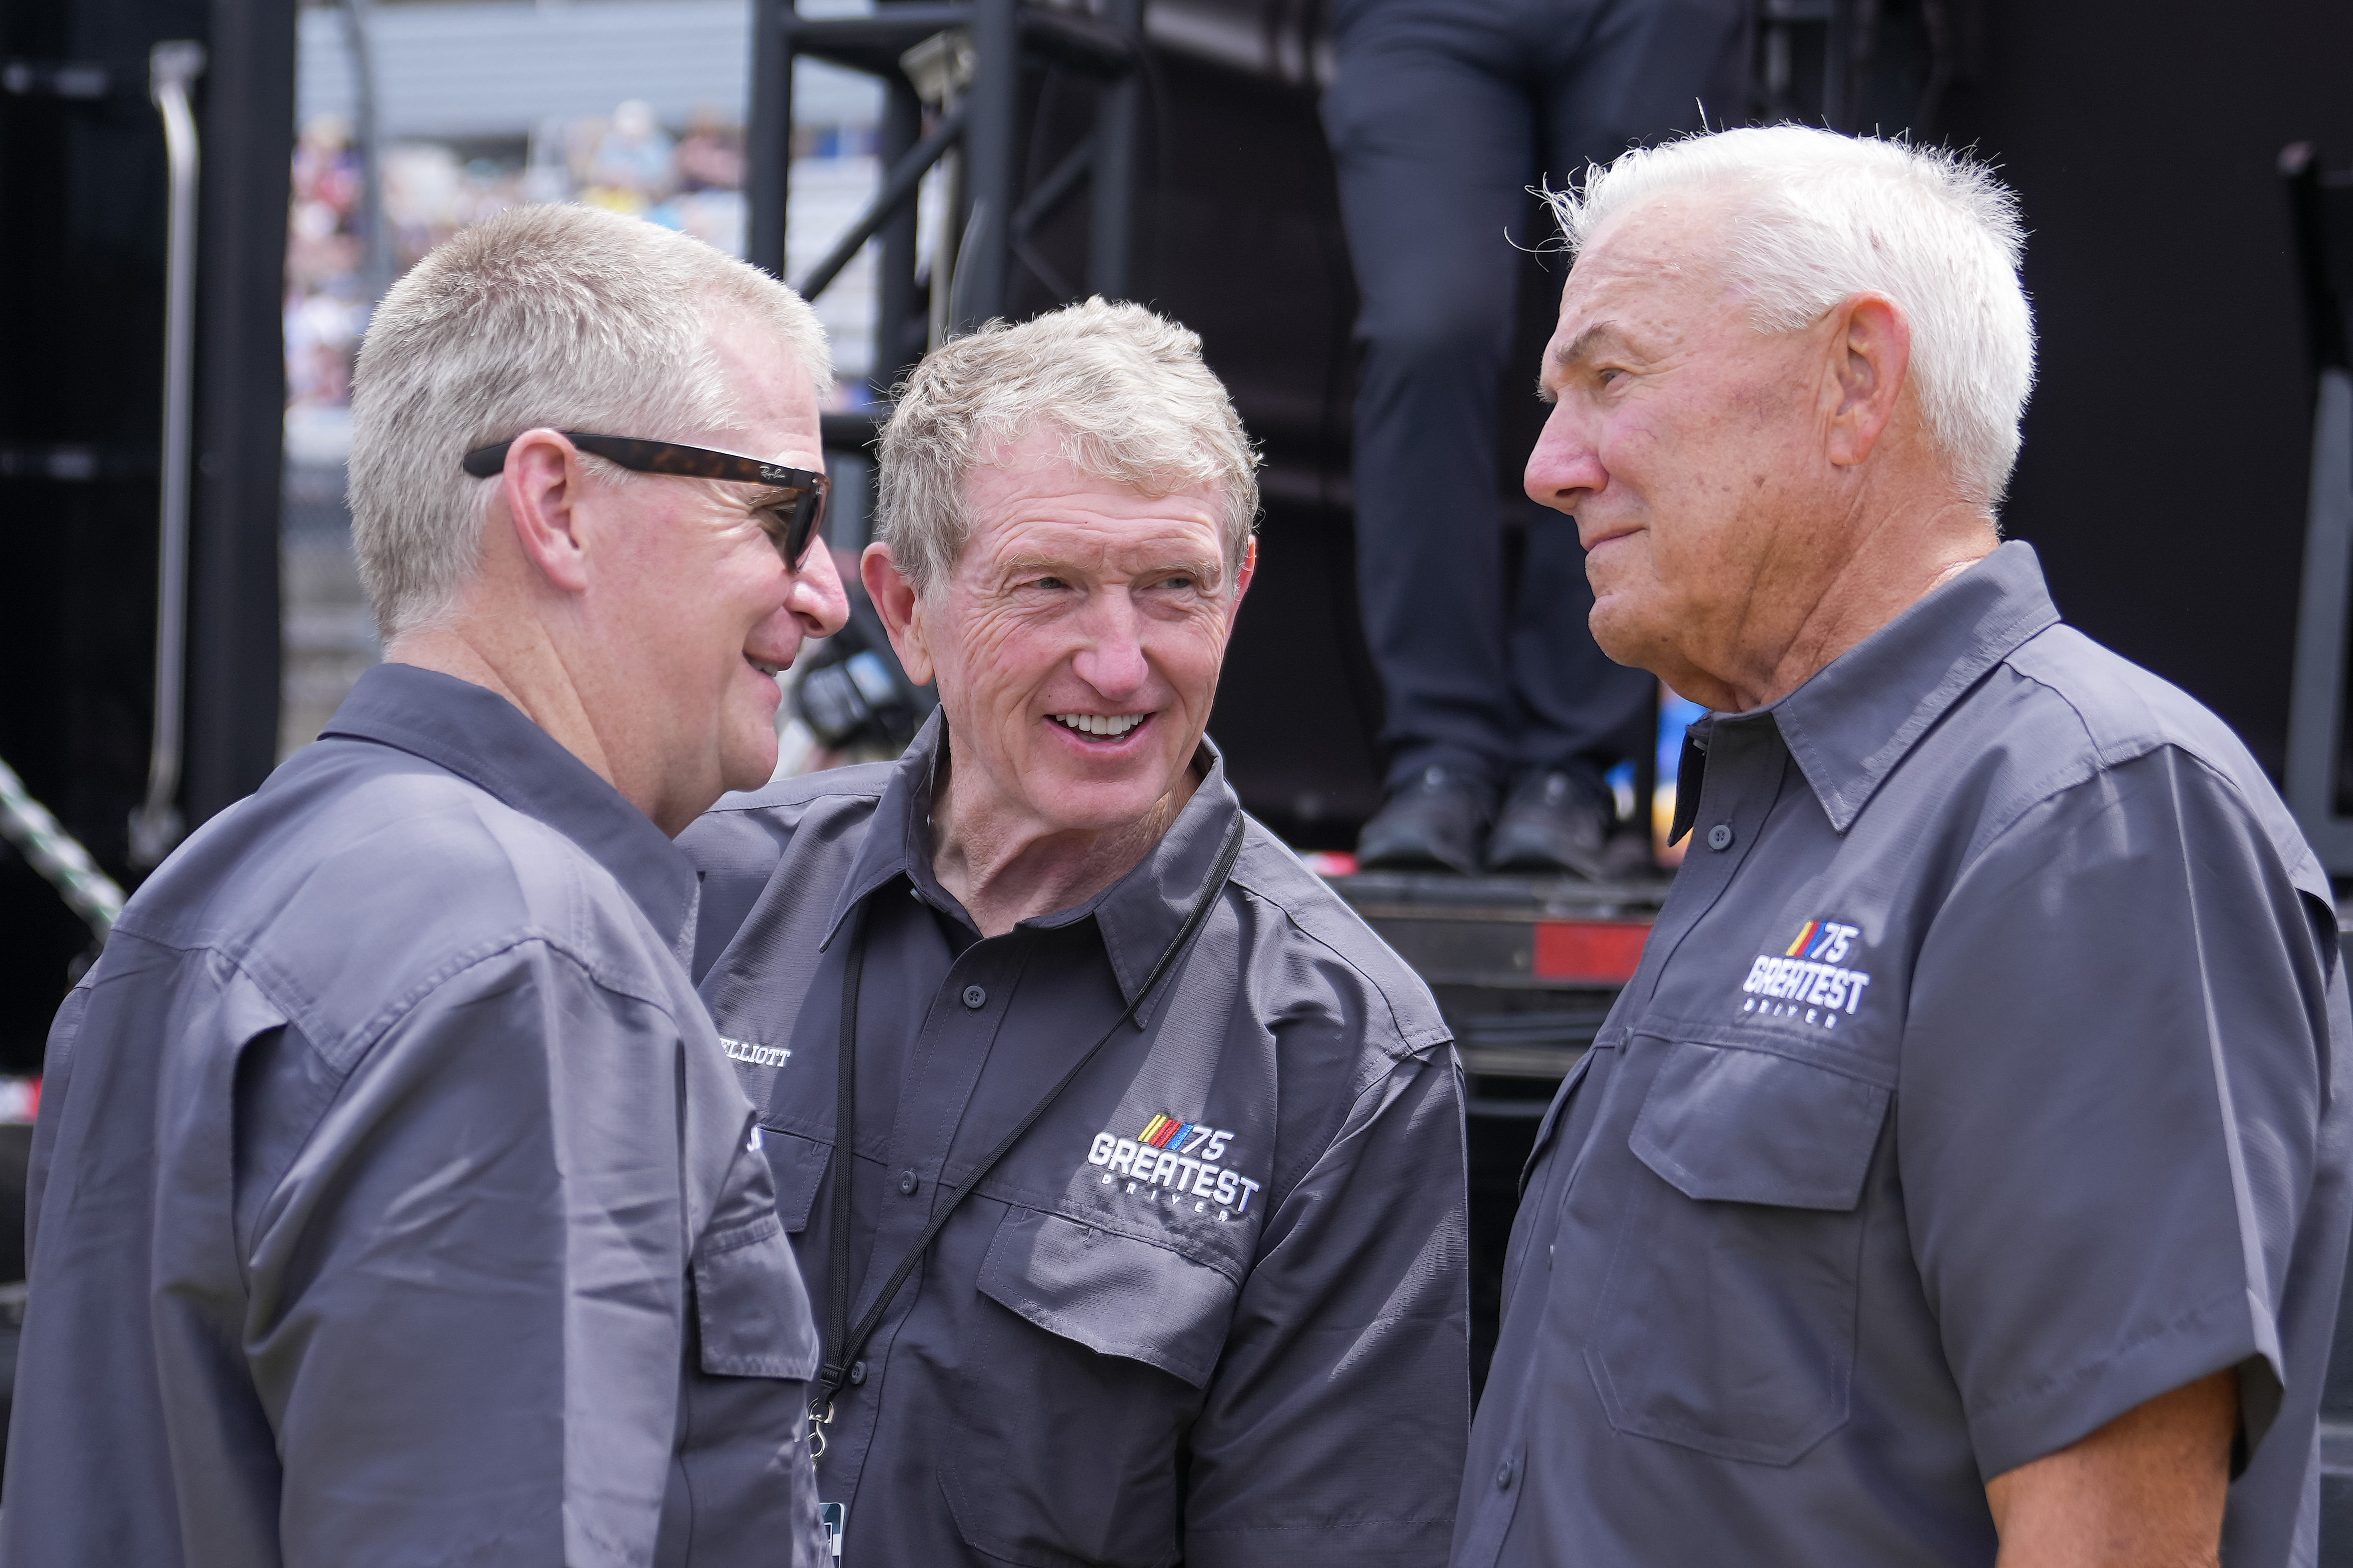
(809, 512)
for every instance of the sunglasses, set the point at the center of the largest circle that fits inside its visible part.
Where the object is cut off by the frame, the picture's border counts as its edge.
(793, 518)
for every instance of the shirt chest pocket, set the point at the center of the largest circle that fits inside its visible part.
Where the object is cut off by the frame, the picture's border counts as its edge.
(1728, 1320)
(1085, 1368)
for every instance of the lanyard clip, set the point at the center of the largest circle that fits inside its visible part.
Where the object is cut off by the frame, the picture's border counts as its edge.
(820, 1415)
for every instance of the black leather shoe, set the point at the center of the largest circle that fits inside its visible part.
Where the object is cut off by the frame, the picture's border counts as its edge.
(1435, 821)
(1551, 822)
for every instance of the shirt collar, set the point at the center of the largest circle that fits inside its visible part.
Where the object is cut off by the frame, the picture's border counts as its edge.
(1851, 724)
(483, 738)
(1137, 916)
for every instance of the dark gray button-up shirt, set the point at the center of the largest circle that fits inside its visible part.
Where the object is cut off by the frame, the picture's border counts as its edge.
(392, 1202)
(1212, 1308)
(1979, 1084)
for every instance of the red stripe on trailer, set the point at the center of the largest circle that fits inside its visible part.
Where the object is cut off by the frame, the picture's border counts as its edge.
(1606, 952)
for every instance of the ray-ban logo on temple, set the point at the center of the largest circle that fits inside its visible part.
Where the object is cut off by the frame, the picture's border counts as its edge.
(1806, 978)
(1176, 1162)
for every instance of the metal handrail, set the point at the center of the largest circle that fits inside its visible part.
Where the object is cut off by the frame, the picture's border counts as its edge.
(171, 69)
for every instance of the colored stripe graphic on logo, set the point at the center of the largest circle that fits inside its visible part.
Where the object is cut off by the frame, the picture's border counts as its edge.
(1150, 1129)
(1804, 937)
(1176, 1140)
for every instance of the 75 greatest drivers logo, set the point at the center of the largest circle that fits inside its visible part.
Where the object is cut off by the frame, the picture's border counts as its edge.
(1809, 978)
(1176, 1163)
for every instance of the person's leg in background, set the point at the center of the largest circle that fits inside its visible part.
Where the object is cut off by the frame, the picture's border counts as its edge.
(1630, 71)
(1434, 134)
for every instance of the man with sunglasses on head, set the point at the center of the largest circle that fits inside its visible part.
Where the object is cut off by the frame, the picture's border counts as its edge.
(392, 1201)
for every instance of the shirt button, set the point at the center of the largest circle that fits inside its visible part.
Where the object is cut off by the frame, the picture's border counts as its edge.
(975, 997)
(1505, 1475)
(857, 1373)
(907, 1182)
(1720, 835)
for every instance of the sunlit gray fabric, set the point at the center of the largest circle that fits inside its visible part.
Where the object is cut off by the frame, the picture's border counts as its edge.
(1979, 1084)
(384, 1162)
(1259, 1360)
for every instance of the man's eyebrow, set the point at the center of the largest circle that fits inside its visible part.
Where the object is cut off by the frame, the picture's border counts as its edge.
(1560, 360)
(1556, 362)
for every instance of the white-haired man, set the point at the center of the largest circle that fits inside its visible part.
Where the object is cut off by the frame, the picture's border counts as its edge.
(1960, 1174)
(391, 1200)
(1136, 1215)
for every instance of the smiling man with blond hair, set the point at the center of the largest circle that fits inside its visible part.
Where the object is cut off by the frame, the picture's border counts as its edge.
(1125, 1165)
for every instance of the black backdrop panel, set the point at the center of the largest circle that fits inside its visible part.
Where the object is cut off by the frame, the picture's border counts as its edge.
(81, 324)
(2164, 474)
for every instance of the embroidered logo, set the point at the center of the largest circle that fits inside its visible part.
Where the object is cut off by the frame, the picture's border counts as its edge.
(1178, 1160)
(1807, 977)
(754, 1055)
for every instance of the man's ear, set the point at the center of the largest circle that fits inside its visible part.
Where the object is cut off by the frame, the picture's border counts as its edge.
(542, 487)
(1871, 348)
(1242, 580)
(900, 607)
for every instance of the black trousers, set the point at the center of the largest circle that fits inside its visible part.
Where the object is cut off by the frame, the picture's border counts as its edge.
(1442, 116)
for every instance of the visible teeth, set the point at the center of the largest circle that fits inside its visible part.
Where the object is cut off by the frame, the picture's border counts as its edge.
(1101, 723)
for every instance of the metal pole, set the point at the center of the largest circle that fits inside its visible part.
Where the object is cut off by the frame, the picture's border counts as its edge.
(1109, 245)
(898, 337)
(979, 291)
(898, 191)
(768, 169)
(156, 826)
(367, 136)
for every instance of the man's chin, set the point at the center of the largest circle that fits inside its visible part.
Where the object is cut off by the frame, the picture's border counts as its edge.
(1621, 631)
(749, 765)
(1098, 806)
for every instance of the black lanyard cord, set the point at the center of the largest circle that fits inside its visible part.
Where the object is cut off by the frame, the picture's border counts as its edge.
(842, 1342)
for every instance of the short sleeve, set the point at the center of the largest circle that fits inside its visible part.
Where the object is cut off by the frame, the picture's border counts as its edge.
(2108, 1111)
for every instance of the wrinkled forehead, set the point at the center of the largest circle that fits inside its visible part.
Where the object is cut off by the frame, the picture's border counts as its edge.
(1666, 252)
(1030, 499)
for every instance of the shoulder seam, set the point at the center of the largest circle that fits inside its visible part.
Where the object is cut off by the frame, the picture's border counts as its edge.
(1397, 1026)
(351, 1044)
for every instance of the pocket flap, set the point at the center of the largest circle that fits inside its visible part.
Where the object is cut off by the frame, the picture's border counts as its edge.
(798, 1164)
(1111, 1293)
(1749, 1127)
(751, 1307)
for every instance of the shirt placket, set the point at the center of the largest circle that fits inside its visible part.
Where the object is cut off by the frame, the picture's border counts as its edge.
(942, 1073)
(1737, 790)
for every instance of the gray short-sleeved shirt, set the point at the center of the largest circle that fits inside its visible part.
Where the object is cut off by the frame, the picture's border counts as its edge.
(392, 1200)
(1213, 1305)
(1979, 1084)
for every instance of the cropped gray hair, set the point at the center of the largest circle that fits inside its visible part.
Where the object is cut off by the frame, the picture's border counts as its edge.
(1819, 218)
(1125, 389)
(562, 315)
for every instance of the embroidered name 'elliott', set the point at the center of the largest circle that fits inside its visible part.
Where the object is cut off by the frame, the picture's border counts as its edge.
(1807, 975)
(1177, 1156)
(752, 1054)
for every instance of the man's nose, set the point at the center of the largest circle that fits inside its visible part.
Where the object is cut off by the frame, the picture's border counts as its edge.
(1111, 658)
(816, 598)
(1564, 469)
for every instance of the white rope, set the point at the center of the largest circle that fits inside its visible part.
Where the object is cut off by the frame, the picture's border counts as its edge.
(52, 851)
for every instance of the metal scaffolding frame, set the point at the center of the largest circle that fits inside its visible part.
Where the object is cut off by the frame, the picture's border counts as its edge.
(970, 55)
